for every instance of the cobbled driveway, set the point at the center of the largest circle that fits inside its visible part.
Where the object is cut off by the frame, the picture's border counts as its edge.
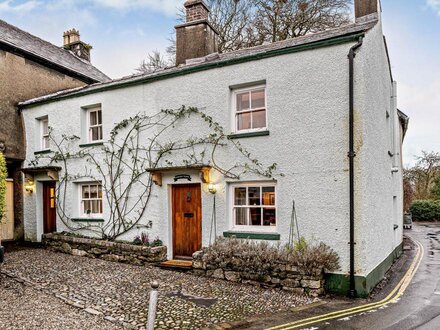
(118, 294)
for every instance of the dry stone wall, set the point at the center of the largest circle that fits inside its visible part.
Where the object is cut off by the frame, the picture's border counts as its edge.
(283, 275)
(110, 251)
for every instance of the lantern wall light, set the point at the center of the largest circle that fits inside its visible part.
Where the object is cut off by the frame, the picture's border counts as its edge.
(212, 189)
(29, 186)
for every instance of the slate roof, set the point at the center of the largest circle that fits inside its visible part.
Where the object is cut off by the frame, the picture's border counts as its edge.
(217, 60)
(18, 41)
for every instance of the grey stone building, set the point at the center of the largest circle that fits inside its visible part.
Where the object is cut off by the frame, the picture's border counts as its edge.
(31, 67)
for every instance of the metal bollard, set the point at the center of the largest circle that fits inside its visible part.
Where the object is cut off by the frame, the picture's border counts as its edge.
(152, 306)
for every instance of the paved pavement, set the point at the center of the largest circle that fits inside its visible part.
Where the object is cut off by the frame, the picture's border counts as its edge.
(417, 308)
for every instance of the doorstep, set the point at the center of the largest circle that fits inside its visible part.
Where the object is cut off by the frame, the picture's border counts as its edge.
(180, 265)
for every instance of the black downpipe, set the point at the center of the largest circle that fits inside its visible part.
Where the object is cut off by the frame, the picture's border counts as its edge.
(351, 154)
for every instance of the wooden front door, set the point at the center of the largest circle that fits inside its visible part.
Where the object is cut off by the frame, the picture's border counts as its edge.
(187, 220)
(49, 207)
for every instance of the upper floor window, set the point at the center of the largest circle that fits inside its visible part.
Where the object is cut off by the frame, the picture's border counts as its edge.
(94, 124)
(44, 133)
(91, 199)
(250, 108)
(254, 205)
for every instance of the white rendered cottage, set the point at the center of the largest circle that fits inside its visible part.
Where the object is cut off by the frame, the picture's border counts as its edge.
(289, 103)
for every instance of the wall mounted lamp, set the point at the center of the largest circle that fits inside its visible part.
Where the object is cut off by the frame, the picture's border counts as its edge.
(29, 186)
(212, 189)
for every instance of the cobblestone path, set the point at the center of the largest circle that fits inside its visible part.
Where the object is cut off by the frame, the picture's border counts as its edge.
(91, 290)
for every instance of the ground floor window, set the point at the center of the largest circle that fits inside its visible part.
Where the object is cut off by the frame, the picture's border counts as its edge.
(254, 205)
(91, 199)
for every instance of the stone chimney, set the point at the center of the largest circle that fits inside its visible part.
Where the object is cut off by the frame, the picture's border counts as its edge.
(364, 8)
(72, 42)
(196, 37)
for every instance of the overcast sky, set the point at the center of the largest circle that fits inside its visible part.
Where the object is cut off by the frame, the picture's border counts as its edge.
(123, 31)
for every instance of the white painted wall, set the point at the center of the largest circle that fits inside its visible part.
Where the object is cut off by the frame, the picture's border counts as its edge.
(377, 185)
(307, 104)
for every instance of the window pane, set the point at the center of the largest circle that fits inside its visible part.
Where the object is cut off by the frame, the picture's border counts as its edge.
(243, 101)
(100, 191)
(269, 217)
(240, 196)
(45, 143)
(87, 207)
(100, 133)
(100, 206)
(254, 195)
(268, 195)
(94, 133)
(255, 216)
(257, 99)
(93, 115)
(259, 119)
(95, 206)
(240, 216)
(45, 126)
(85, 192)
(99, 113)
(93, 191)
(243, 121)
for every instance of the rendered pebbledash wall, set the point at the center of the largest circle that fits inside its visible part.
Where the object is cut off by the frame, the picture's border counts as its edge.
(307, 105)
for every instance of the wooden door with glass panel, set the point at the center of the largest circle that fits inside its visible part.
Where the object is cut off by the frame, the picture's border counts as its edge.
(49, 207)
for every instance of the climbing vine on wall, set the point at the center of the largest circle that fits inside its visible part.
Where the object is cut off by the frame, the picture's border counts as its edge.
(138, 145)
(3, 176)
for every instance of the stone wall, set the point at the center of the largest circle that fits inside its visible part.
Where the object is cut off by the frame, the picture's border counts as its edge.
(284, 276)
(110, 251)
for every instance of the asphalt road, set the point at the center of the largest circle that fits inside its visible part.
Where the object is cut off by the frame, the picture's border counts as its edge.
(419, 307)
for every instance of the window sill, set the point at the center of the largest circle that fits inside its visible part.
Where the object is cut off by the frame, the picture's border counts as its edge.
(91, 144)
(42, 152)
(87, 220)
(252, 235)
(247, 134)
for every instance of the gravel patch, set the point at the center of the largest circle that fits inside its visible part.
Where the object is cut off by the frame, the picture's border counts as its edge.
(120, 292)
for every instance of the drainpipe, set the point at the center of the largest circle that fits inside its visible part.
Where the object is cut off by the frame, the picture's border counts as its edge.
(351, 155)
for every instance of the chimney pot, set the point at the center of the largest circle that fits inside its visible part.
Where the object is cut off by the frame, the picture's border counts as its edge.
(72, 42)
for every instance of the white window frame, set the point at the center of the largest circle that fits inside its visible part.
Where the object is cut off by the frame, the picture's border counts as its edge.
(89, 126)
(44, 136)
(80, 199)
(250, 228)
(234, 108)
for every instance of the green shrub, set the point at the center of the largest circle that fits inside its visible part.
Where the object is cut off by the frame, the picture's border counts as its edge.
(3, 176)
(260, 257)
(425, 210)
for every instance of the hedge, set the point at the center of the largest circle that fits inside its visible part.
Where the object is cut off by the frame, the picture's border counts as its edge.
(425, 210)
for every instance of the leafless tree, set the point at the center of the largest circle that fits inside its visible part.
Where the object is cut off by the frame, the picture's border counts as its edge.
(154, 61)
(423, 174)
(277, 20)
(232, 20)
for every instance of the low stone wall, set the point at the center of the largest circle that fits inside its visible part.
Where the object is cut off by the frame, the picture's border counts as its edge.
(283, 275)
(110, 251)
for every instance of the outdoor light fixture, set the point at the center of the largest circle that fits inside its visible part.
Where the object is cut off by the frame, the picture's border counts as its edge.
(29, 186)
(212, 189)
